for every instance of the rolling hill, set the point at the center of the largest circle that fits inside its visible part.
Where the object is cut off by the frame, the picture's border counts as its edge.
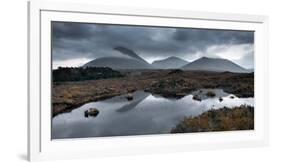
(169, 63)
(214, 64)
(130, 61)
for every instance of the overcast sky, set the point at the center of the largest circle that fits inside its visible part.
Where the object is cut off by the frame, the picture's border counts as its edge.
(74, 44)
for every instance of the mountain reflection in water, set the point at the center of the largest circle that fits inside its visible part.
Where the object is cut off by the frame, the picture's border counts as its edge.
(145, 114)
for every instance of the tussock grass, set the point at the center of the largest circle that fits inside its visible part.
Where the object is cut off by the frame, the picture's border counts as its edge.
(224, 119)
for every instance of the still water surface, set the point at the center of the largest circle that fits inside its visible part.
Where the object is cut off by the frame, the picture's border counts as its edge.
(145, 114)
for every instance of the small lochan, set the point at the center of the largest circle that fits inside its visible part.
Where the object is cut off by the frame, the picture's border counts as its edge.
(120, 80)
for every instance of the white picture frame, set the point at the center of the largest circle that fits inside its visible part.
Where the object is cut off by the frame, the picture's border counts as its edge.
(40, 145)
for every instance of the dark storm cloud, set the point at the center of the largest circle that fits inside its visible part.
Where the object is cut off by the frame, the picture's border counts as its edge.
(77, 40)
(213, 36)
(71, 30)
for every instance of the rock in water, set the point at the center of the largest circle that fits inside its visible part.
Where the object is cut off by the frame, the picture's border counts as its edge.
(196, 97)
(91, 112)
(129, 97)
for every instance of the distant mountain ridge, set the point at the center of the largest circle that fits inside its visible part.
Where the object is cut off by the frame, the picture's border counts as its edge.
(169, 63)
(134, 61)
(214, 64)
(118, 63)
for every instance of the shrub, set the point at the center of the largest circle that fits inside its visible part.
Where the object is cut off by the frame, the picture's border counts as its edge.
(224, 119)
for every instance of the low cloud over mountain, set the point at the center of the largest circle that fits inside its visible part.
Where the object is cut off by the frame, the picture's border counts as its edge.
(81, 41)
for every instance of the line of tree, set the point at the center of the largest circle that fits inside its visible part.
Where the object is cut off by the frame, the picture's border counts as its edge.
(64, 74)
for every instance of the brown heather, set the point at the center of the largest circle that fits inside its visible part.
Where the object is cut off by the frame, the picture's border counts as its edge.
(223, 119)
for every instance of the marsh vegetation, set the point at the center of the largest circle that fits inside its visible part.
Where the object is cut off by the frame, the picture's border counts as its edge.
(167, 83)
(223, 119)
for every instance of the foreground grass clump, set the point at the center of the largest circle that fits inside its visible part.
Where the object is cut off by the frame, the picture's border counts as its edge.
(224, 119)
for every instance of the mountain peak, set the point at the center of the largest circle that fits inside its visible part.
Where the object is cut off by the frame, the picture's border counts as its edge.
(172, 57)
(204, 57)
(171, 62)
(118, 63)
(210, 58)
(214, 64)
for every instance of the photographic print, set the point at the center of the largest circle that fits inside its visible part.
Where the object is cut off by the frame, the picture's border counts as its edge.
(120, 80)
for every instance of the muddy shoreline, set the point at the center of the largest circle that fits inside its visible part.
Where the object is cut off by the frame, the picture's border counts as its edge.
(67, 96)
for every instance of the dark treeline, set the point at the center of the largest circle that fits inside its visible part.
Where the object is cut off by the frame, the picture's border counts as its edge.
(63, 74)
